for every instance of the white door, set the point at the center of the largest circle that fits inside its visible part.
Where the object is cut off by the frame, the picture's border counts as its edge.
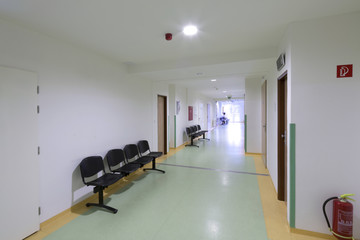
(208, 117)
(19, 174)
(201, 116)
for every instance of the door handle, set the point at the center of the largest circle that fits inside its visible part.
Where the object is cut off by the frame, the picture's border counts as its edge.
(284, 136)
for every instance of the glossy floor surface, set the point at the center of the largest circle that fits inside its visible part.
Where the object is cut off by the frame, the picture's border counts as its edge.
(210, 192)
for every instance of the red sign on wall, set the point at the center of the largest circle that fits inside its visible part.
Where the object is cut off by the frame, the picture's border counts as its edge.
(190, 113)
(344, 71)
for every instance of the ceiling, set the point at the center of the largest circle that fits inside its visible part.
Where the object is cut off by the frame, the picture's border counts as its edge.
(237, 39)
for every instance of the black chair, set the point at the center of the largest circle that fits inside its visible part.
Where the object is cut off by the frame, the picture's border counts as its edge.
(117, 162)
(144, 150)
(202, 132)
(90, 167)
(133, 156)
(192, 136)
(194, 131)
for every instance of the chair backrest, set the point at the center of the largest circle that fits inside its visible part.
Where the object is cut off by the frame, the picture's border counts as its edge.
(90, 166)
(115, 157)
(143, 146)
(131, 151)
(198, 127)
(188, 131)
(193, 129)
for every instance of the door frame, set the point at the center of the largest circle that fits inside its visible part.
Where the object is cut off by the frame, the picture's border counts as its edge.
(164, 127)
(282, 136)
(264, 122)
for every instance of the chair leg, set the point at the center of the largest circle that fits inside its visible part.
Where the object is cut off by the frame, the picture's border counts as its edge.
(154, 167)
(191, 143)
(101, 200)
(113, 210)
(205, 138)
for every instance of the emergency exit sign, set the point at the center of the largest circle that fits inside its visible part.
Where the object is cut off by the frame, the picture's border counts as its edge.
(344, 71)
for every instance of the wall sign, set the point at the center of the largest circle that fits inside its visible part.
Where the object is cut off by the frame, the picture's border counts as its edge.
(190, 113)
(344, 71)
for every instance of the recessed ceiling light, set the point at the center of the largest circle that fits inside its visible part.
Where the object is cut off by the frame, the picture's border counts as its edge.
(190, 30)
(213, 80)
(224, 91)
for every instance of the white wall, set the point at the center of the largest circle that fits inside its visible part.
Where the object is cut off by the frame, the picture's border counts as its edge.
(88, 105)
(172, 112)
(324, 110)
(253, 113)
(271, 134)
(182, 117)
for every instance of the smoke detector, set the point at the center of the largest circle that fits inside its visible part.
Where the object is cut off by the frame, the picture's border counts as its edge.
(168, 36)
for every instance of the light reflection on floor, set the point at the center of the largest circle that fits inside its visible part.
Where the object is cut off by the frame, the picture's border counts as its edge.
(234, 134)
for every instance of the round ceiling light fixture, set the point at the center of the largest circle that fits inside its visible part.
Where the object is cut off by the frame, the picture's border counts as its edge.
(190, 30)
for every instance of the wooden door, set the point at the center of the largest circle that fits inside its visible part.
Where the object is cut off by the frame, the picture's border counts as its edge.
(264, 121)
(162, 124)
(282, 137)
(19, 154)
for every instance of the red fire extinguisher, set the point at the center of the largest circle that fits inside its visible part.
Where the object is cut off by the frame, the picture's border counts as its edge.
(342, 227)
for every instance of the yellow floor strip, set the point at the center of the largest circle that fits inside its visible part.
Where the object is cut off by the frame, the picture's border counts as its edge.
(275, 212)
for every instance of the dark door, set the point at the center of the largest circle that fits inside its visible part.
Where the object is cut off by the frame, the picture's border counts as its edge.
(282, 137)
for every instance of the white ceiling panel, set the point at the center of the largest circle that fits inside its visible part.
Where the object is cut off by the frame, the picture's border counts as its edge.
(132, 31)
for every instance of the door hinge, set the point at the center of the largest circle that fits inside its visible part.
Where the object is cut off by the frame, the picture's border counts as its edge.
(38, 89)
(39, 211)
(38, 109)
(39, 150)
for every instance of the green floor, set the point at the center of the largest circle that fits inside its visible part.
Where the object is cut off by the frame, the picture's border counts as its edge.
(197, 199)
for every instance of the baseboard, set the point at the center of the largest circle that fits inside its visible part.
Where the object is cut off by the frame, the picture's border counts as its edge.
(252, 154)
(179, 147)
(68, 214)
(311, 234)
